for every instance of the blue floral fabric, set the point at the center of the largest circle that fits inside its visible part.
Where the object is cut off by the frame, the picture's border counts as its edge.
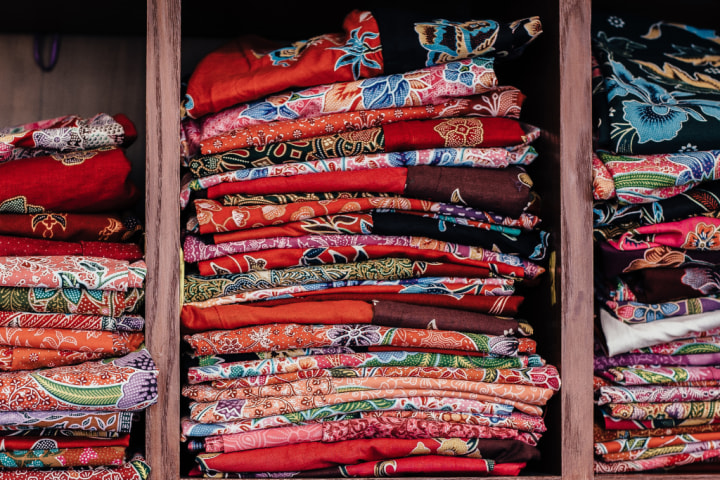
(660, 89)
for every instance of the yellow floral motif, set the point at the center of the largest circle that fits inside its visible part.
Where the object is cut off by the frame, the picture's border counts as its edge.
(459, 132)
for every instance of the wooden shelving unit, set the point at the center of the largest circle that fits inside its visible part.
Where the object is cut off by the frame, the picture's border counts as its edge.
(554, 73)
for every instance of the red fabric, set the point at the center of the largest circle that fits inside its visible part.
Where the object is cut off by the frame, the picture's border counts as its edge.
(75, 227)
(46, 442)
(453, 132)
(474, 303)
(428, 464)
(244, 70)
(23, 247)
(351, 223)
(290, 257)
(387, 180)
(228, 317)
(84, 181)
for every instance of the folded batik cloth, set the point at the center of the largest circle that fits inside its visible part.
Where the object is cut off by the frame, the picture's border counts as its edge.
(64, 439)
(91, 456)
(650, 178)
(290, 335)
(426, 86)
(213, 217)
(126, 383)
(385, 313)
(384, 400)
(135, 469)
(703, 199)
(70, 271)
(410, 135)
(26, 358)
(429, 464)
(237, 257)
(628, 359)
(615, 262)
(435, 423)
(71, 300)
(108, 343)
(131, 323)
(504, 101)
(25, 246)
(659, 94)
(694, 233)
(664, 462)
(273, 366)
(312, 455)
(72, 227)
(372, 43)
(657, 285)
(86, 421)
(85, 181)
(69, 133)
(655, 394)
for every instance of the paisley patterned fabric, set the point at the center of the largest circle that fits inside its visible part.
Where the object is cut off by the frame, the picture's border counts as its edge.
(135, 469)
(62, 457)
(71, 300)
(65, 134)
(72, 227)
(133, 323)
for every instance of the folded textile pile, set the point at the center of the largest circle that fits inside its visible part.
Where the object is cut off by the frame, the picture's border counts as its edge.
(72, 279)
(657, 101)
(356, 252)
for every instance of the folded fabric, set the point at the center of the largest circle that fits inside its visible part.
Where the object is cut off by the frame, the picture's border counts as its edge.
(643, 425)
(636, 312)
(196, 250)
(72, 227)
(612, 262)
(621, 337)
(71, 300)
(62, 457)
(292, 335)
(606, 436)
(426, 86)
(133, 323)
(519, 426)
(543, 377)
(503, 101)
(456, 132)
(661, 375)
(385, 313)
(401, 358)
(623, 360)
(654, 394)
(251, 67)
(646, 453)
(707, 342)
(198, 288)
(26, 358)
(71, 271)
(694, 233)
(126, 383)
(653, 442)
(24, 247)
(642, 179)
(528, 394)
(65, 134)
(311, 455)
(118, 343)
(664, 462)
(662, 98)
(428, 464)
(229, 410)
(67, 182)
(48, 442)
(655, 285)
(213, 217)
(86, 421)
(658, 411)
(135, 469)
(701, 199)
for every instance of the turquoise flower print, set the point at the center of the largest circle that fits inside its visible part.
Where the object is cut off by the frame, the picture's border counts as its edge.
(385, 92)
(656, 311)
(357, 51)
(459, 72)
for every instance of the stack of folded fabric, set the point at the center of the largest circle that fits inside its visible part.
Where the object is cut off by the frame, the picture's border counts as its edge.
(657, 239)
(356, 251)
(71, 295)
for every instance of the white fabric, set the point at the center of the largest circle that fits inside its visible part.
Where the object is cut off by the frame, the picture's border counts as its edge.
(622, 337)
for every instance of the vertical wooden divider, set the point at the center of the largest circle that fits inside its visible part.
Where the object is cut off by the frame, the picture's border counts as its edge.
(162, 223)
(576, 263)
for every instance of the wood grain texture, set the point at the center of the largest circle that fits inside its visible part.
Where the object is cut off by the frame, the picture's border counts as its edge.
(163, 233)
(576, 266)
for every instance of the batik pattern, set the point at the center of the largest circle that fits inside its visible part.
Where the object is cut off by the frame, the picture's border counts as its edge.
(133, 323)
(71, 300)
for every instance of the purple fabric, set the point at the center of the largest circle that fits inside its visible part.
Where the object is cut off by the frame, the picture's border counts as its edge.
(627, 359)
